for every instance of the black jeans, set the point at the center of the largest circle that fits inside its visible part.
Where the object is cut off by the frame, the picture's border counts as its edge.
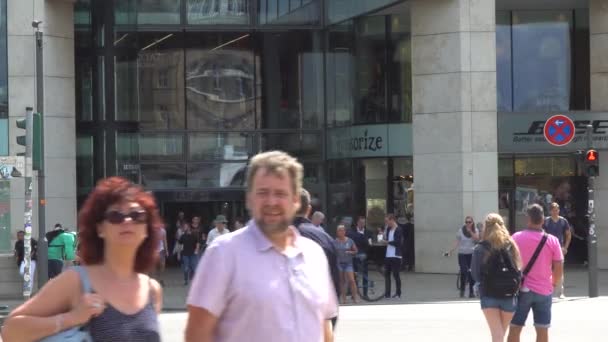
(464, 261)
(55, 268)
(393, 265)
(360, 266)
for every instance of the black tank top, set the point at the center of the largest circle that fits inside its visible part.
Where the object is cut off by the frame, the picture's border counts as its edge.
(112, 325)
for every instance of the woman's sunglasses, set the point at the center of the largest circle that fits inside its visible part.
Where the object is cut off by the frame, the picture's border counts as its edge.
(467, 222)
(116, 217)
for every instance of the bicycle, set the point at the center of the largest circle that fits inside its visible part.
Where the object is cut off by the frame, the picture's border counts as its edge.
(371, 288)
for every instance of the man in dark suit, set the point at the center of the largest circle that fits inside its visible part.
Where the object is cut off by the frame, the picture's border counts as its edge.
(362, 238)
(393, 235)
(310, 231)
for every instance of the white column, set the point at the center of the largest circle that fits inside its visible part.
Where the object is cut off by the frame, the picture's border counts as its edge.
(598, 11)
(454, 122)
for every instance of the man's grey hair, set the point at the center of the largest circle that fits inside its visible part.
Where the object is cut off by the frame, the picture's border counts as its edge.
(536, 214)
(304, 202)
(318, 215)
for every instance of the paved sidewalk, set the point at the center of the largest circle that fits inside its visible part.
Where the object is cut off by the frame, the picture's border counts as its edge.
(417, 288)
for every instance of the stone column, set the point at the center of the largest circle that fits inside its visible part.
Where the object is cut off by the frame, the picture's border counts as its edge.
(598, 28)
(59, 106)
(454, 122)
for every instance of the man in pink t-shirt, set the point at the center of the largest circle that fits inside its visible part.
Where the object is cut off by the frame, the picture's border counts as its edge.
(537, 289)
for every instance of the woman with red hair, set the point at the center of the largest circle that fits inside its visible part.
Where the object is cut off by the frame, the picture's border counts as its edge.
(118, 230)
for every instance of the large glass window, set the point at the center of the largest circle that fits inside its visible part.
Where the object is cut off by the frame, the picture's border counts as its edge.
(535, 53)
(220, 81)
(150, 87)
(369, 77)
(219, 175)
(289, 12)
(85, 175)
(220, 146)
(147, 12)
(127, 156)
(163, 176)
(84, 89)
(218, 11)
(297, 144)
(292, 65)
(160, 69)
(161, 146)
(340, 10)
(340, 189)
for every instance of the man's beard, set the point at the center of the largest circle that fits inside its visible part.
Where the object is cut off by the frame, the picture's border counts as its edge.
(273, 228)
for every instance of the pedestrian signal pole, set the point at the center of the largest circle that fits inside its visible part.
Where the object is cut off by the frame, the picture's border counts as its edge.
(591, 166)
(26, 140)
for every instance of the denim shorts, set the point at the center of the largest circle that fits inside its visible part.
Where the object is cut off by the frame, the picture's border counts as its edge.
(345, 266)
(503, 304)
(541, 308)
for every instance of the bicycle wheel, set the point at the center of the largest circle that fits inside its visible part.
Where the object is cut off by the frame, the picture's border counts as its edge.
(375, 289)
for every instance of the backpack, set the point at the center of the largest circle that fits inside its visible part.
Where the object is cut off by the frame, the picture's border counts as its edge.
(500, 276)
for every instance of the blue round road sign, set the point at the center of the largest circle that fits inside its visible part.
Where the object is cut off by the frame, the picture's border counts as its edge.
(559, 130)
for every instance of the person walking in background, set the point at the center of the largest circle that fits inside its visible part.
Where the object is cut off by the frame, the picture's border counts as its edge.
(19, 253)
(496, 266)
(363, 239)
(317, 219)
(559, 227)
(163, 247)
(118, 225)
(62, 245)
(466, 238)
(394, 237)
(265, 270)
(346, 251)
(189, 249)
(239, 223)
(543, 253)
(219, 229)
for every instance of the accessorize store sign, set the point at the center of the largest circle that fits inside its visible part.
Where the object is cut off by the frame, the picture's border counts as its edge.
(369, 141)
(524, 132)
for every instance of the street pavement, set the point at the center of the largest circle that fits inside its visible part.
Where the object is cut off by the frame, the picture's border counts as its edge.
(574, 319)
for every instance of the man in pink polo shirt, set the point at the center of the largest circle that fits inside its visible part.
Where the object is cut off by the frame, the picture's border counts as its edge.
(264, 282)
(537, 288)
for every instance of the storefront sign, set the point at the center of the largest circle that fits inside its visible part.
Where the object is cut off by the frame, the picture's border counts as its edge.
(370, 141)
(524, 132)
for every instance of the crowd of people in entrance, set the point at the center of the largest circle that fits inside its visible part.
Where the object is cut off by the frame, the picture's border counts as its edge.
(282, 266)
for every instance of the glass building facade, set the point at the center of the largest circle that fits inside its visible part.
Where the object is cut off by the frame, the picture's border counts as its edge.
(178, 95)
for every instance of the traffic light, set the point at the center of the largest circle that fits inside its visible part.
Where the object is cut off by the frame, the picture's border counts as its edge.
(21, 139)
(592, 163)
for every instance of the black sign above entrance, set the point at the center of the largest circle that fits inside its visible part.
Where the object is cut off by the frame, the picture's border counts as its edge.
(524, 132)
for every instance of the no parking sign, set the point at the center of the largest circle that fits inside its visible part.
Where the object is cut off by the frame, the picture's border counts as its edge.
(559, 130)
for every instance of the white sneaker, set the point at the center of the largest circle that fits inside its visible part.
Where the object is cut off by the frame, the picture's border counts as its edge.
(562, 296)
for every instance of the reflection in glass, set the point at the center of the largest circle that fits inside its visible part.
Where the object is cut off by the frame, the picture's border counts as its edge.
(126, 88)
(160, 66)
(340, 75)
(220, 81)
(371, 70)
(375, 190)
(296, 144)
(293, 83)
(3, 65)
(84, 90)
(163, 176)
(340, 192)
(82, 12)
(286, 12)
(400, 69)
(85, 177)
(147, 12)
(127, 156)
(218, 12)
(224, 146)
(162, 146)
(541, 50)
(219, 175)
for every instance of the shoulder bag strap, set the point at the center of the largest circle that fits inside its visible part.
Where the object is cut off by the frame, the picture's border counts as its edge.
(535, 255)
(84, 278)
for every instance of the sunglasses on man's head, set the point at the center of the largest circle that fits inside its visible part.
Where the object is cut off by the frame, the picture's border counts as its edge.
(116, 217)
